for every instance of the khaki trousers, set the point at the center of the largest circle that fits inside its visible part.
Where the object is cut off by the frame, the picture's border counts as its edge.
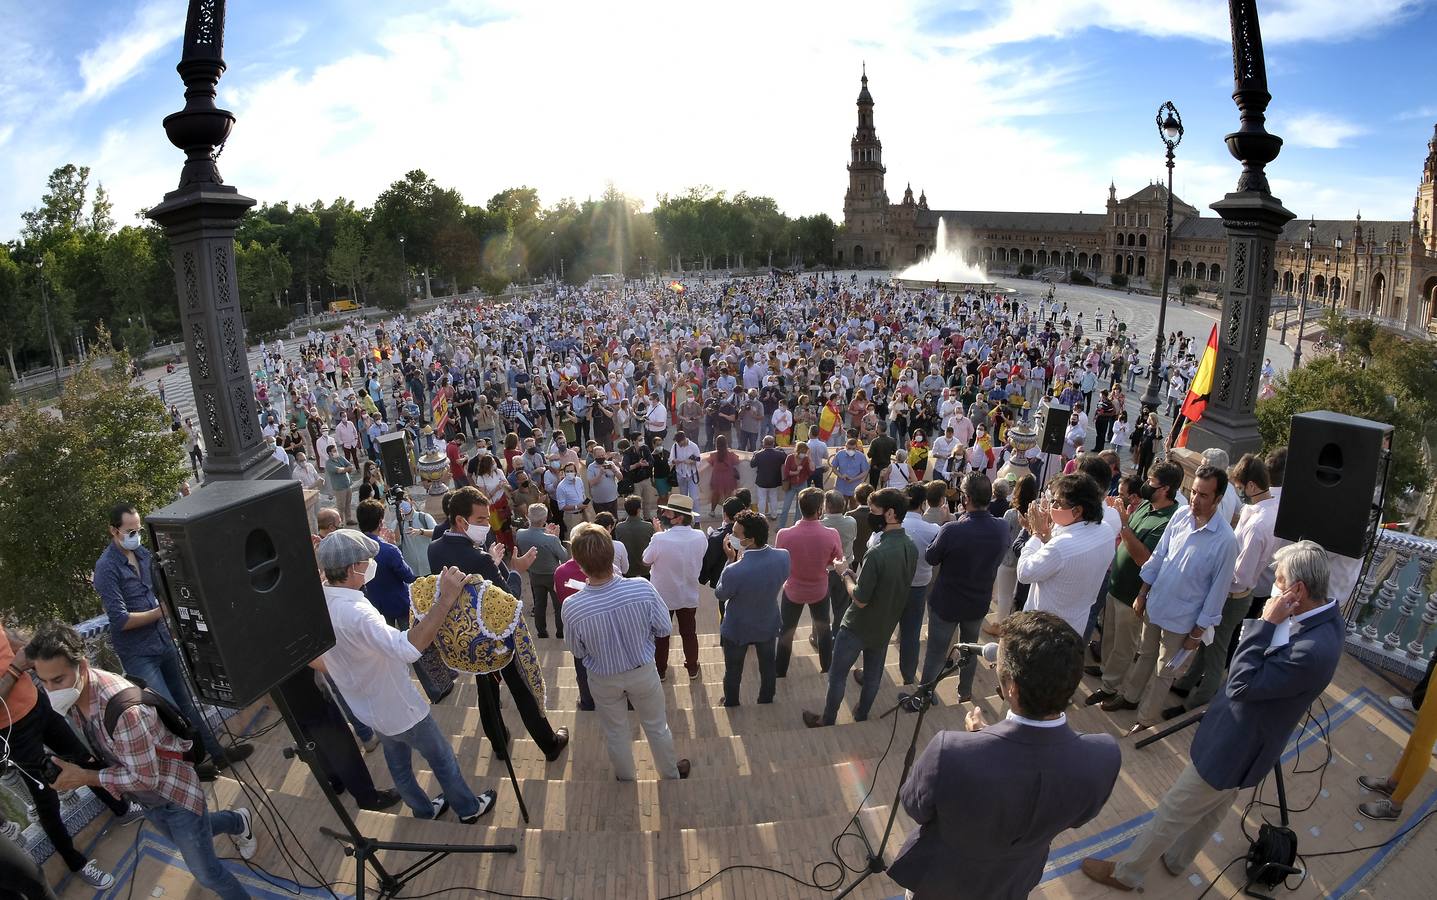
(1150, 677)
(1121, 629)
(1189, 813)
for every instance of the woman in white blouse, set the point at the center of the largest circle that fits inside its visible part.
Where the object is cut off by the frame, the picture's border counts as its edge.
(1070, 550)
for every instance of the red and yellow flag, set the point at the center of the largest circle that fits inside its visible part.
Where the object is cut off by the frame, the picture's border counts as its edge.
(828, 419)
(1200, 389)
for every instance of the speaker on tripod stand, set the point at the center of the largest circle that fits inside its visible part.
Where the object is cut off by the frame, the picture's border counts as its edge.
(235, 565)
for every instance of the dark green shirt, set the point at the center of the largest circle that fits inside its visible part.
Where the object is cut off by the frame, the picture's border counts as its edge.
(1148, 524)
(882, 588)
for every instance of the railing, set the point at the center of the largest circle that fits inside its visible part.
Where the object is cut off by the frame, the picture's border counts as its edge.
(78, 808)
(1392, 618)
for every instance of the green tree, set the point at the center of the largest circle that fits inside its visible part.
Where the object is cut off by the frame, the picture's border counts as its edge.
(117, 436)
(349, 258)
(13, 298)
(1189, 290)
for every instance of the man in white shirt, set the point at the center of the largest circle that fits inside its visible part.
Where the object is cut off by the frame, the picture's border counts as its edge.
(675, 557)
(817, 457)
(910, 627)
(684, 455)
(370, 662)
(942, 453)
(1256, 546)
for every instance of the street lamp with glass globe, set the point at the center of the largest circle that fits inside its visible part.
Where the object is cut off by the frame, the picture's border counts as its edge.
(1170, 129)
(1337, 261)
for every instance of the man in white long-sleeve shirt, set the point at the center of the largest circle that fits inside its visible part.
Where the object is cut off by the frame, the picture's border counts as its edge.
(1256, 545)
(1070, 550)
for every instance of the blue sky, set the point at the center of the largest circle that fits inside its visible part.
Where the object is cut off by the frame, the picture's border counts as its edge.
(1000, 104)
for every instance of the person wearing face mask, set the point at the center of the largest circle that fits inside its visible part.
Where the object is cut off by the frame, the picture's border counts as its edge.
(125, 582)
(469, 546)
(1185, 587)
(370, 662)
(1071, 547)
(143, 760)
(569, 495)
(30, 724)
(749, 587)
(416, 532)
(1140, 533)
(878, 596)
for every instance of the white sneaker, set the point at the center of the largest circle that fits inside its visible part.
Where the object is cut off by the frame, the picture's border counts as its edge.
(95, 876)
(245, 841)
(1402, 703)
(11, 831)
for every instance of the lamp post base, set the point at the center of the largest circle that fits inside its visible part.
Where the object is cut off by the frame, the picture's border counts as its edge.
(1236, 436)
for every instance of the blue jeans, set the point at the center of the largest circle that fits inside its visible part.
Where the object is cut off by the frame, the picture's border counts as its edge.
(910, 628)
(162, 672)
(846, 650)
(424, 736)
(193, 836)
(788, 499)
(940, 638)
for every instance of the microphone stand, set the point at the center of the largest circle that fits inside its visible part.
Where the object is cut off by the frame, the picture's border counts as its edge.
(923, 697)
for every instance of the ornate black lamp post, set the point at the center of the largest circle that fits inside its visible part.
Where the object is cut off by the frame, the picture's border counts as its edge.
(1306, 292)
(1253, 219)
(200, 217)
(1170, 129)
(1337, 265)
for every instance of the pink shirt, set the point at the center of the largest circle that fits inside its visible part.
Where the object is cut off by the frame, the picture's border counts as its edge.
(811, 547)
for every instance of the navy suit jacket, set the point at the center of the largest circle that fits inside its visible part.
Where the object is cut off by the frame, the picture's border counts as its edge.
(1267, 692)
(989, 803)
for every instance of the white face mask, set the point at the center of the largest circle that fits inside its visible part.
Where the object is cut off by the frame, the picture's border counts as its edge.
(369, 571)
(131, 541)
(477, 533)
(63, 699)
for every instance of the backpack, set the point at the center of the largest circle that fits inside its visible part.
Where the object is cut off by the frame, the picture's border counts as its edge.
(140, 694)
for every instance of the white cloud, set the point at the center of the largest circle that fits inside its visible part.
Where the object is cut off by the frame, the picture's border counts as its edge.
(1281, 21)
(1318, 130)
(119, 58)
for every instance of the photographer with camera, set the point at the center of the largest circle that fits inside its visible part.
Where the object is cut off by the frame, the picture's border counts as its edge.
(143, 759)
(29, 724)
(604, 482)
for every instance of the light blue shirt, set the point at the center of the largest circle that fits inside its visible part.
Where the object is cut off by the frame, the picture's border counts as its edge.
(850, 468)
(1189, 573)
(570, 493)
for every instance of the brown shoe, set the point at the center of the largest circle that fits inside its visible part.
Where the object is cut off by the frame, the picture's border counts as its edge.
(858, 676)
(1376, 785)
(561, 740)
(684, 768)
(812, 719)
(1101, 871)
(1117, 704)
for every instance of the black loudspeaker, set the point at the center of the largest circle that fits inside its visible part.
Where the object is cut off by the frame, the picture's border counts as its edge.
(1054, 426)
(1336, 471)
(394, 459)
(235, 563)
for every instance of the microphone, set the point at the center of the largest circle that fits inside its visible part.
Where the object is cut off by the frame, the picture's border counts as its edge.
(988, 651)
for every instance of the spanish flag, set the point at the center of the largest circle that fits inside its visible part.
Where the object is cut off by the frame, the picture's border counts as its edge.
(1198, 391)
(828, 419)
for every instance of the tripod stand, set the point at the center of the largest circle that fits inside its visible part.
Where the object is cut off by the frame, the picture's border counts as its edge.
(362, 848)
(923, 698)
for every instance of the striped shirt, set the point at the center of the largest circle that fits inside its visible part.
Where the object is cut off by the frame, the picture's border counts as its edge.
(612, 626)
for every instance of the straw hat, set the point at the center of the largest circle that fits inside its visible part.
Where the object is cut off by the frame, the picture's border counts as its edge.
(680, 503)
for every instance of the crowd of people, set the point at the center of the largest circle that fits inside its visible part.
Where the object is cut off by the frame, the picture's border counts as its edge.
(594, 448)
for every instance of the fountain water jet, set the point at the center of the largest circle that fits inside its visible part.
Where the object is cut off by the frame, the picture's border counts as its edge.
(945, 268)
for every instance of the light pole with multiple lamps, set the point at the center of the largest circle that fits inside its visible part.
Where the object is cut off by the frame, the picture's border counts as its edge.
(1337, 266)
(1170, 129)
(1306, 292)
(49, 327)
(403, 264)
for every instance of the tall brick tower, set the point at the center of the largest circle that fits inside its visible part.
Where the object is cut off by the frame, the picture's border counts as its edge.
(865, 205)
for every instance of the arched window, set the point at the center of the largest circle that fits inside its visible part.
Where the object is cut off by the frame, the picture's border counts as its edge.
(1132, 240)
(1200, 271)
(1172, 268)
(1287, 282)
(1319, 287)
(1187, 268)
(1336, 289)
(1142, 240)
(1379, 293)
(1083, 261)
(1130, 264)
(1214, 272)
(918, 251)
(858, 254)
(1142, 266)
(1096, 263)
(1028, 257)
(1042, 259)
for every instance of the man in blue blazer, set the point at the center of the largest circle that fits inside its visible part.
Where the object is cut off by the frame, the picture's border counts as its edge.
(1283, 663)
(989, 801)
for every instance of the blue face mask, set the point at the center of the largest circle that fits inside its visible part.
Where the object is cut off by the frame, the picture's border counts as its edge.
(131, 541)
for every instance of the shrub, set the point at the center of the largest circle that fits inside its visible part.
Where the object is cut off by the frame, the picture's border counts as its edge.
(1190, 290)
(267, 318)
(1120, 280)
(1025, 270)
(1077, 277)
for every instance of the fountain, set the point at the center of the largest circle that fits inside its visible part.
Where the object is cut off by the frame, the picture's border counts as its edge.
(944, 268)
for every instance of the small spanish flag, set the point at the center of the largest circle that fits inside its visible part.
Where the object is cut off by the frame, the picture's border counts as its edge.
(1201, 387)
(829, 419)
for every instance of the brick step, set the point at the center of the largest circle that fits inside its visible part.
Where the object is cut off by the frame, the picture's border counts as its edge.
(586, 758)
(553, 861)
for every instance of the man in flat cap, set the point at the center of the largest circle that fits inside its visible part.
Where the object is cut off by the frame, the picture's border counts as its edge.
(370, 665)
